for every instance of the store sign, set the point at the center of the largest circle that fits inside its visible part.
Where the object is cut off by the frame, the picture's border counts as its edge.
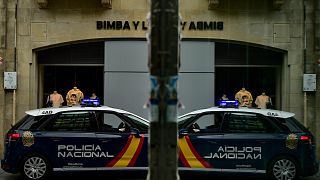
(143, 25)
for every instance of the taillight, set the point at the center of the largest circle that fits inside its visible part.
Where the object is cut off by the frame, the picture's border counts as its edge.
(13, 136)
(305, 138)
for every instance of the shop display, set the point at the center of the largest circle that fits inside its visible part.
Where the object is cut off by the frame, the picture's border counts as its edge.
(55, 99)
(244, 97)
(74, 97)
(263, 101)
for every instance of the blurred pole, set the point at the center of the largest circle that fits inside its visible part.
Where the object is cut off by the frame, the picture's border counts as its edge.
(163, 66)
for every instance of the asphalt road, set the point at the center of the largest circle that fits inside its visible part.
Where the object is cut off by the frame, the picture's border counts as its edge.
(131, 176)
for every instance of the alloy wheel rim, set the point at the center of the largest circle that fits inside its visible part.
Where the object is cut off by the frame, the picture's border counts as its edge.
(284, 169)
(35, 168)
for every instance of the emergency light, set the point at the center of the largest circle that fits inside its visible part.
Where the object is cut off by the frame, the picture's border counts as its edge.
(90, 102)
(228, 103)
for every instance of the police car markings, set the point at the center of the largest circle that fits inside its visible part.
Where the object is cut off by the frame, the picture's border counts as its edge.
(234, 152)
(189, 156)
(27, 138)
(272, 114)
(79, 151)
(129, 154)
(292, 141)
(47, 112)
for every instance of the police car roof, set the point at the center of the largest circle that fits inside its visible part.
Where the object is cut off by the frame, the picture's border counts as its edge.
(50, 111)
(265, 112)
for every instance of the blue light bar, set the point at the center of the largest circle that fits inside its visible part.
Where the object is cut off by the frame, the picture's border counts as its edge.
(90, 102)
(228, 103)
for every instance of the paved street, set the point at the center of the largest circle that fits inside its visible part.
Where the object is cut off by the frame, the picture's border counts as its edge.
(131, 176)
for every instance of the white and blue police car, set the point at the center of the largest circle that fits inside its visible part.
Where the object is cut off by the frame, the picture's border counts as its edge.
(218, 140)
(245, 140)
(79, 138)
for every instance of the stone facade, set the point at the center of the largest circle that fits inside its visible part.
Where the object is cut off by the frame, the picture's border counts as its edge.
(29, 25)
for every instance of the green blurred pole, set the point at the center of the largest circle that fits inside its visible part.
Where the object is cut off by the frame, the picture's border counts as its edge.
(163, 66)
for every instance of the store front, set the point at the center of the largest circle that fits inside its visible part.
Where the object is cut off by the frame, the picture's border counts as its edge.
(117, 72)
(62, 68)
(247, 66)
(227, 45)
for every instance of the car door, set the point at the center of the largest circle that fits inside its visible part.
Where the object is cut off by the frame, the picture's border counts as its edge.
(123, 146)
(70, 140)
(249, 141)
(200, 141)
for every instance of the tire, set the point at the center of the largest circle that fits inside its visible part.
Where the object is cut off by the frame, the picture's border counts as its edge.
(35, 167)
(283, 168)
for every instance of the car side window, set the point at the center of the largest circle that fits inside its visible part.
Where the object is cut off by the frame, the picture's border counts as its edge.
(71, 121)
(207, 123)
(247, 122)
(110, 122)
(143, 126)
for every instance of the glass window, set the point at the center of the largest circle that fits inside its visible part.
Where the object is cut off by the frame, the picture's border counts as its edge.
(207, 123)
(245, 122)
(110, 122)
(71, 121)
(183, 120)
(138, 122)
(290, 124)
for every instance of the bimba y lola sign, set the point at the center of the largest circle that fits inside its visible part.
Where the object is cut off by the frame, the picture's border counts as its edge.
(143, 25)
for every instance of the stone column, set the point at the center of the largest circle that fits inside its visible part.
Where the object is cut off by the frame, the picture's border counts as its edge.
(317, 69)
(2, 55)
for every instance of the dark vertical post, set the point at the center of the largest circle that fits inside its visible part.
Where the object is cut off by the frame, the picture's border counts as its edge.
(163, 67)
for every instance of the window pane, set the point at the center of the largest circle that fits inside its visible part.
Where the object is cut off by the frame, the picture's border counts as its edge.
(71, 121)
(207, 123)
(240, 122)
(110, 122)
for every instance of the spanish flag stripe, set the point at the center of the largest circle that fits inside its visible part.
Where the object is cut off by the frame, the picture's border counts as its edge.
(195, 153)
(137, 153)
(188, 154)
(115, 160)
(128, 155)
(183, 159)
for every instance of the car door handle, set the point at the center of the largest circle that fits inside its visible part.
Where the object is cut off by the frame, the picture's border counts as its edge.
(263, 142)
(103, 140)
(213, 142)
(56, 139)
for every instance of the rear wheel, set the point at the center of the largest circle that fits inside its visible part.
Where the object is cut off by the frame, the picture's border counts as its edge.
(283, 168)
(35, 167)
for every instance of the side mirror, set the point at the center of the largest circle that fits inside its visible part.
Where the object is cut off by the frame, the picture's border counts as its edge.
(183, 132)
(135, 132)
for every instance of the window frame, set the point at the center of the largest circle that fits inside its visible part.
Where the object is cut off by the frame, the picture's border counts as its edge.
(92, 121)
(204, 131)
(265, 120)
(124, 119)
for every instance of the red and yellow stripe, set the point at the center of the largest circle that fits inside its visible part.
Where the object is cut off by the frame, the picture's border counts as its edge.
(189, 156)
(129, 154)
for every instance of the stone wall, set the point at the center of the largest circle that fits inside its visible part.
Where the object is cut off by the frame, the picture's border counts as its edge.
(72, 21)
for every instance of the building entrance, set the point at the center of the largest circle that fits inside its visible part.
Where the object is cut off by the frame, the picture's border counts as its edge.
(229, 80)
(88, 79)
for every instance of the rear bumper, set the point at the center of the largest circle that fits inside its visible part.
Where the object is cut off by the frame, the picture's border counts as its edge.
(8, 167)
(311, 169)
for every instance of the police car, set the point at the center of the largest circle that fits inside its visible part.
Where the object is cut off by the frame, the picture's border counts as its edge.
(246, 140)
(218, 140)
(75, 139)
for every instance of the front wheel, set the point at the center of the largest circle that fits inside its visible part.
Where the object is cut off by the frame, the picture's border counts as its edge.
(283, 168)
(35, 167)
